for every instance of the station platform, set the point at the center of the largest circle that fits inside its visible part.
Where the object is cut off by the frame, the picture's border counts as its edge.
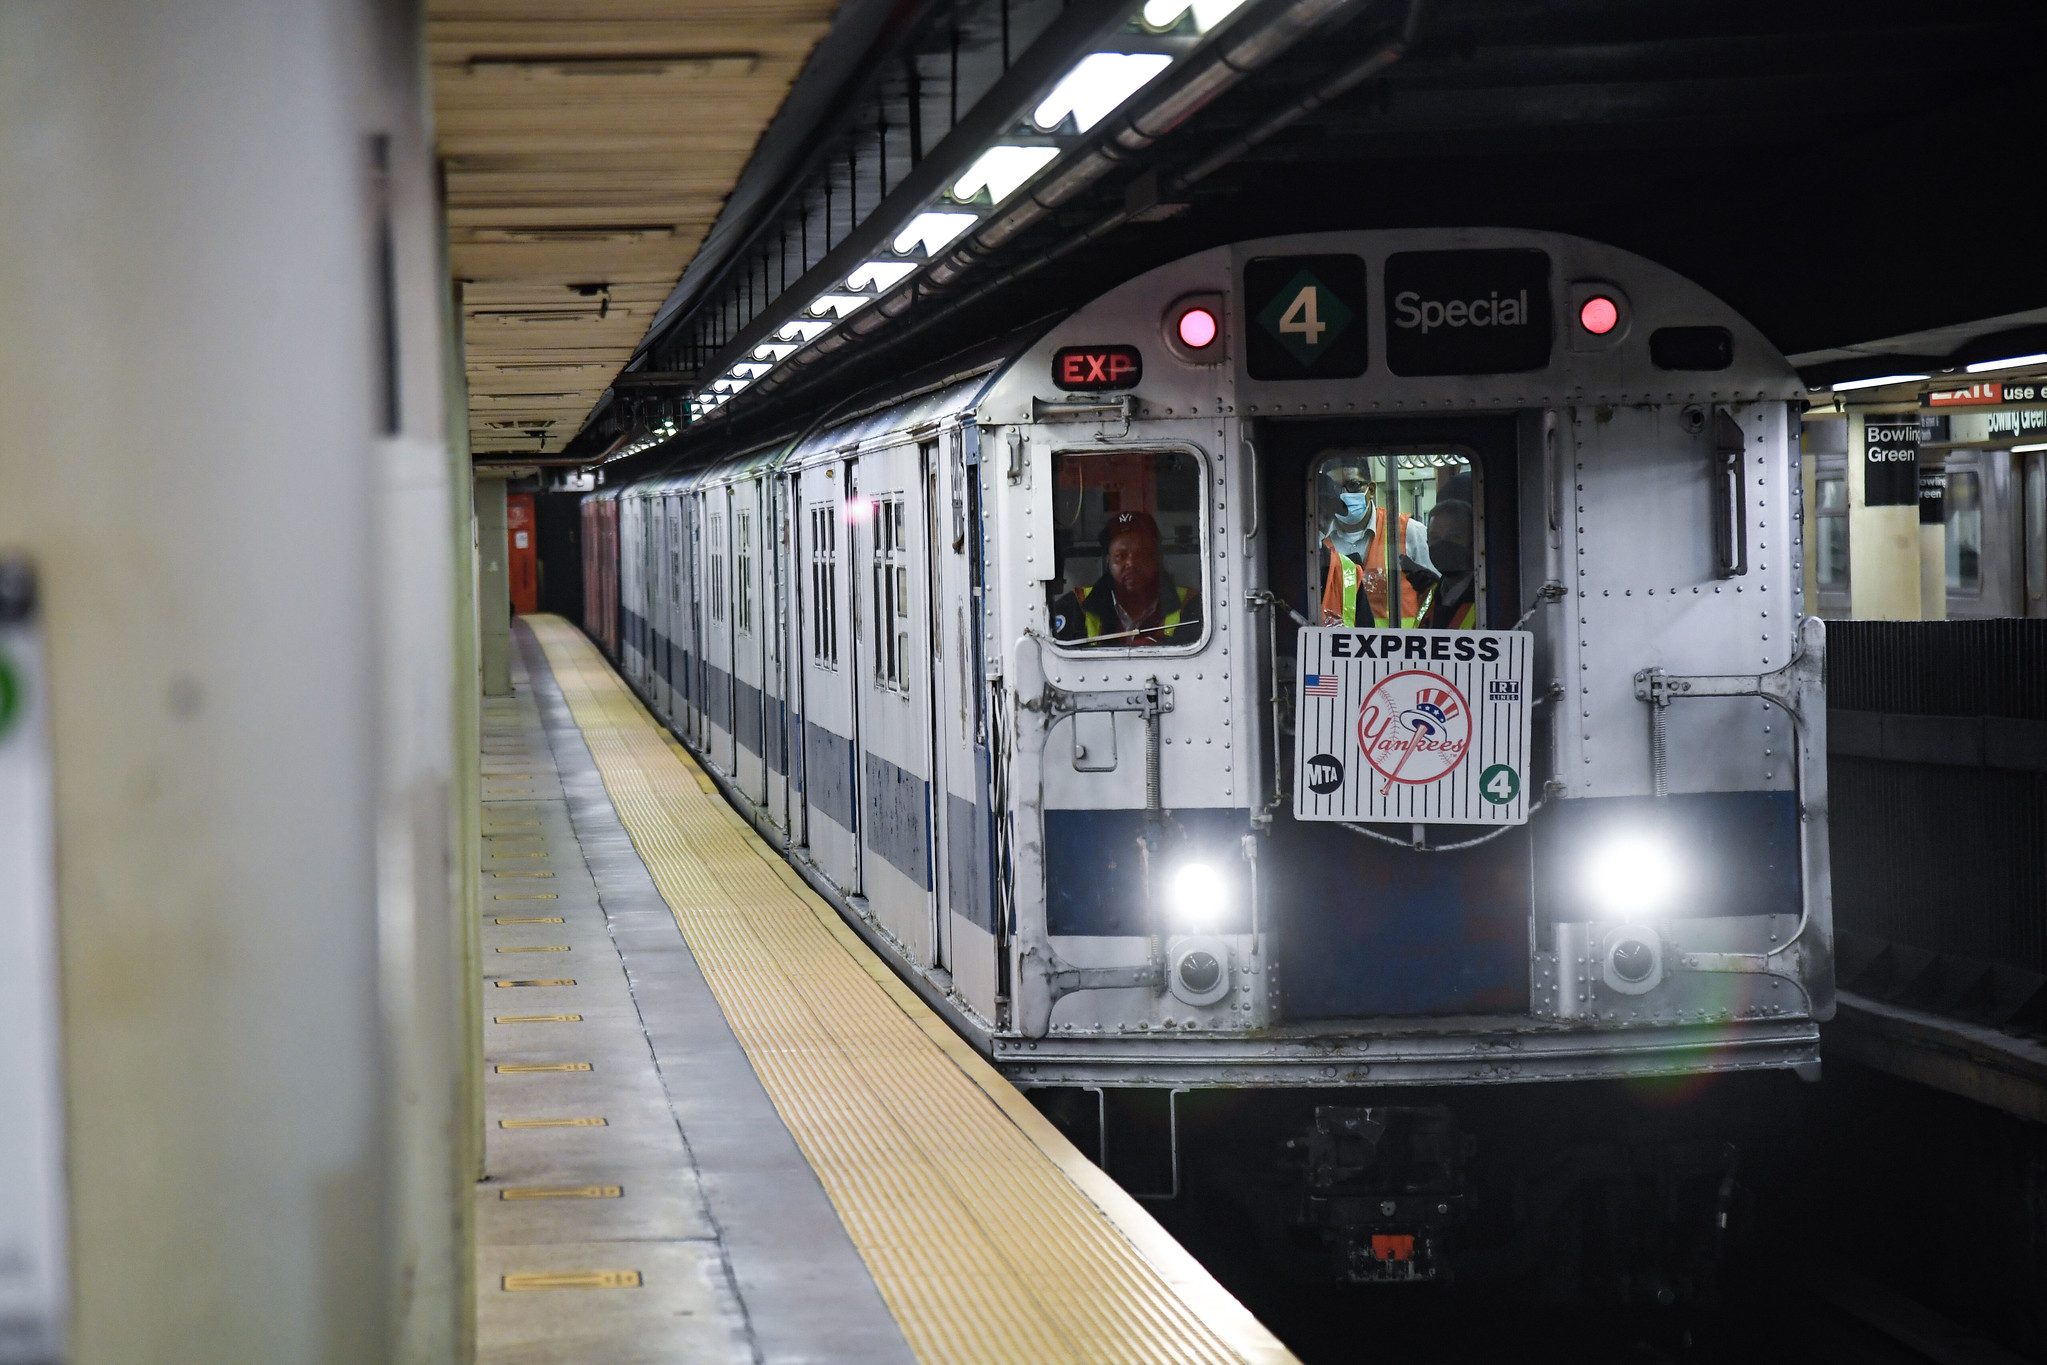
(720, 1128)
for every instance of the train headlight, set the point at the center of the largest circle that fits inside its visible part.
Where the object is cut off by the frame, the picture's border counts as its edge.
(1632, 875)
(1197, 894)
(1198, 969)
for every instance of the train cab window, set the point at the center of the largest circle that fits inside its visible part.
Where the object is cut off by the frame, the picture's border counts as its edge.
(1129, 539)
(1964, 530)
(1395, 532)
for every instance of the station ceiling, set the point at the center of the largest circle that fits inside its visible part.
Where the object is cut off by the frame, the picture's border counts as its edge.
(588, 146)
(1837, 170)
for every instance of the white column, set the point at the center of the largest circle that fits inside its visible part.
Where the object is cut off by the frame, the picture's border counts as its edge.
(1883, 540)
(221, 445)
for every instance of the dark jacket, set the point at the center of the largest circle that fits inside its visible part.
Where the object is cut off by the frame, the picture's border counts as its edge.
(1081, 616)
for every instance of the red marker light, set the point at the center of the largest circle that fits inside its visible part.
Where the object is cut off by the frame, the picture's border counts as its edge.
(1197, 327)
(1600, 315)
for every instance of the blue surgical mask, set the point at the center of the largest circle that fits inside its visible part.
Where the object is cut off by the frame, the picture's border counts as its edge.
(1356, 505)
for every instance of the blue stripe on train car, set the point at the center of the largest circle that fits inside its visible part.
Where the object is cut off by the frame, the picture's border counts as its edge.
(1094, 877)
(969, 886)
(718, 683)
(829, 763)
(746, 719)
(689, 676)
(898, 820)
(1371, 929)
(778, 760)
(1741, 848)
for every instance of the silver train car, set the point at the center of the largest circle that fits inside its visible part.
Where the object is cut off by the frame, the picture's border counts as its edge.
(1027, 668)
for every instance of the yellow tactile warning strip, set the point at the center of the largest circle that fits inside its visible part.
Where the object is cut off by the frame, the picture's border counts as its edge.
(990, 1237)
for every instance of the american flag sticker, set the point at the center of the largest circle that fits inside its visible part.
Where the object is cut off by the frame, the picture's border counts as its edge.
(1319, 684)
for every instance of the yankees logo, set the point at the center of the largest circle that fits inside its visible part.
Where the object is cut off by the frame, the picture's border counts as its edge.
(1414, 728)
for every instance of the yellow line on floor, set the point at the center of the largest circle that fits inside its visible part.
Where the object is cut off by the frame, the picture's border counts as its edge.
(990, 1237)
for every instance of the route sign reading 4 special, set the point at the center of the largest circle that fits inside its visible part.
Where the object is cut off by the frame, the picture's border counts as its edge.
(1413, 726)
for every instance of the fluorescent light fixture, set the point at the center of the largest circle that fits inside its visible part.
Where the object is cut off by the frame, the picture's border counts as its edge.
(1163, 14)
(1877, 383)
(838, 305)
(751, 369)
(2029, 448)
(801, 330)
(775, 351)
(879, 274)
(2009, 363)
(936, 231)
(1090, 91)
(1001, 170)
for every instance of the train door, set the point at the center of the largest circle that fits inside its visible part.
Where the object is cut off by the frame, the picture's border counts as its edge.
(1368, 519)
(632, 607)
(961, 800)
(749, 673)
(797, 648)
(775, 620)
(718, 642)
(693, 658)
(893, 688)
(522, 562)
(658, 595)
(830, 656)
(672, 599)
(671, 607)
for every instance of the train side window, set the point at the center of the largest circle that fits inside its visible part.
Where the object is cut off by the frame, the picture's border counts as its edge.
(1129, 537)
(1424, 502)
(745, 520)
(891, 594)
(824, 585)
(717, 567)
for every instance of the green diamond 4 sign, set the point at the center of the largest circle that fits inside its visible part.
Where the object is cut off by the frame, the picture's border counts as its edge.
(1307, 317)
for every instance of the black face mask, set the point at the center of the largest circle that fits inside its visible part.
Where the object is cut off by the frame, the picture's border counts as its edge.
(1451, 556)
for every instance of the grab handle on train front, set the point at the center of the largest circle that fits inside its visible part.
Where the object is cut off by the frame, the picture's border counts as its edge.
(1730, 509)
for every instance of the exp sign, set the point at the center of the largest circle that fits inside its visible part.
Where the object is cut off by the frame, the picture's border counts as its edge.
(1090, 369)
(1413, 726)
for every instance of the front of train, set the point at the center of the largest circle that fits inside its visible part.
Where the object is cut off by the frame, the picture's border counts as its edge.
(1411, 682)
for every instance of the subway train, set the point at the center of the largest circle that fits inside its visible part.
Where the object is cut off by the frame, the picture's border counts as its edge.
(1358, 659)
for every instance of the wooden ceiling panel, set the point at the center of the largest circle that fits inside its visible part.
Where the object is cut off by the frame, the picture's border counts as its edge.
(587, 149)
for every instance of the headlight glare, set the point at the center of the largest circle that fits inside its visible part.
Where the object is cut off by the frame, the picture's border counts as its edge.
(1197, 893)
(1632, 875)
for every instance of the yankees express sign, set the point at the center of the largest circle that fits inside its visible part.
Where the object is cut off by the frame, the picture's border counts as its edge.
(1413, 726)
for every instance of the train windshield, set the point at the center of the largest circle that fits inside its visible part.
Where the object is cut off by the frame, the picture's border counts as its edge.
(1129, 537)
(1395, 527)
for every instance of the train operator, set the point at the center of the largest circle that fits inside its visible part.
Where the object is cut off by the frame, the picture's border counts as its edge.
(1354, 552)
(1135, 601)
(1452, 600)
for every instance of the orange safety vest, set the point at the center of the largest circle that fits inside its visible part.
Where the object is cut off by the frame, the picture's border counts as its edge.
(1340, 588)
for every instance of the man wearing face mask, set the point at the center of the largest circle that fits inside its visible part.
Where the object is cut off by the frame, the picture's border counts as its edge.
(1452, 602)
(1355, 554)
